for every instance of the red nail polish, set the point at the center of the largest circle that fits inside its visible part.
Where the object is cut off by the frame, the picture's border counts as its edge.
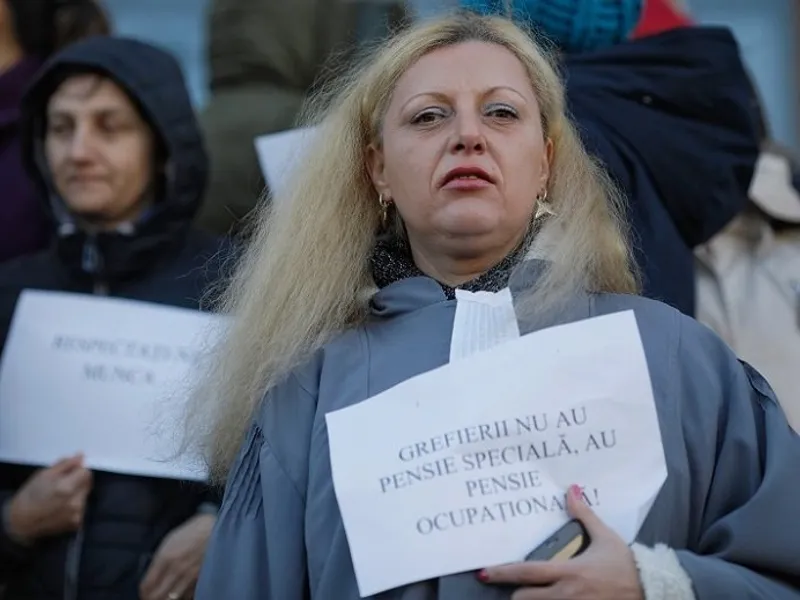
(482, 575)
(576, 492)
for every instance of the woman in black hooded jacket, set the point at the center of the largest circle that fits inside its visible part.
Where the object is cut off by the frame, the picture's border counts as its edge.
(111, 139)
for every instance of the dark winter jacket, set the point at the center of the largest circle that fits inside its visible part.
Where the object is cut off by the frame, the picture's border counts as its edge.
(161, 261)
(673, 118)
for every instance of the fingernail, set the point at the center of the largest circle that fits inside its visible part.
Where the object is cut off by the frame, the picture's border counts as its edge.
(576, 492)
(482, 575)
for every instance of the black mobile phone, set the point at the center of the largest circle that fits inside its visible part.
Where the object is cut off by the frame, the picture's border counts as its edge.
(569, 541)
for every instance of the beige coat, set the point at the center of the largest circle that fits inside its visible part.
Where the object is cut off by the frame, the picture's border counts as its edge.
(748, 283)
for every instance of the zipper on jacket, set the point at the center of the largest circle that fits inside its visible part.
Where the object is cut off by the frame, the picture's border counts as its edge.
(91, 263)
(73, 565)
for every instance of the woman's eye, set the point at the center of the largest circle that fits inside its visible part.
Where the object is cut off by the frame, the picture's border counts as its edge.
(502, 112)
(427, 117)
(112, 127)
(58, 128)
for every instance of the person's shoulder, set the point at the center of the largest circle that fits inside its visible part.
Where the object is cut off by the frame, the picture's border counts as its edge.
(342, 352)
(201, 247)
(33, 271)
(682, 339)
(214, 256)
(37, 270)
(201, 239)
(191, 277)
(649, 312)
(689, 364)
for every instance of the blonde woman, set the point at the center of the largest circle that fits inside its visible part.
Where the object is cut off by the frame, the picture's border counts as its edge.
(453, 145)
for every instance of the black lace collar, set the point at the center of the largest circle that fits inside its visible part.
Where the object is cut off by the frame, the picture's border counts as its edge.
(392, 262)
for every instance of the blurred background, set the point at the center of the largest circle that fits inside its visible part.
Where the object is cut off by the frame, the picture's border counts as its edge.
(766, 29)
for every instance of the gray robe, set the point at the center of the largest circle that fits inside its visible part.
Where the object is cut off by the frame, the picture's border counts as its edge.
(729, 505)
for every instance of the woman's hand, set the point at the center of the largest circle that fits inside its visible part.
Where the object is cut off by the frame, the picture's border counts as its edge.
(605, 571)
(176, 565)
(52, 501)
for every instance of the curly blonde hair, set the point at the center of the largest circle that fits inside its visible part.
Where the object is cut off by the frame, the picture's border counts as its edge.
(305, 274)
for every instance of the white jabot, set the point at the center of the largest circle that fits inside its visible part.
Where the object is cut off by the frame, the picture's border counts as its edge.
(483, 320)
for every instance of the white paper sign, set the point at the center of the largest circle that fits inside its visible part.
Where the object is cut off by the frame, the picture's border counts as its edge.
(102, 376)
(279, 153)
(467, 466)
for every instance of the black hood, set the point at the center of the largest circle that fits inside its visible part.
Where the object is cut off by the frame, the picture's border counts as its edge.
(680, 107)
(153, 80)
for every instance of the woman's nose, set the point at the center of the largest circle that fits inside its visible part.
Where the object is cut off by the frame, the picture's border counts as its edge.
(468, 136)
(80, 145)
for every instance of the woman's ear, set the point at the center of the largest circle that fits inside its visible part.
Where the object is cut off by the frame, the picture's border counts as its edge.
(376, 170)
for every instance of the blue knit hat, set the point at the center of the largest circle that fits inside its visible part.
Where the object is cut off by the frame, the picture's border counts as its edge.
(575, 25)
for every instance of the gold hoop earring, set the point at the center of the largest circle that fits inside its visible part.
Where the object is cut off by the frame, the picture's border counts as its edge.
(543, 207)
(384, 204)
